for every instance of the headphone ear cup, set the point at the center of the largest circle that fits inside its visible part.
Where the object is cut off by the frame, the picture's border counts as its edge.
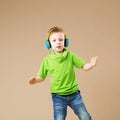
(47, 44)
(66, 42)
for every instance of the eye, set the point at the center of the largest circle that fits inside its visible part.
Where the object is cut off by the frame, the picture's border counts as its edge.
(61, 39)
(54, 40)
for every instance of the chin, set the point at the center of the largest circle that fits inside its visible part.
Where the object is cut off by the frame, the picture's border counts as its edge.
(59, 51)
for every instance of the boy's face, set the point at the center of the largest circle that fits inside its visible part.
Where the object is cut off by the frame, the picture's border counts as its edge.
(57, 41)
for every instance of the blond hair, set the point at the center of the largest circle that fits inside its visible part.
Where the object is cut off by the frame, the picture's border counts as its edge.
(52, 30)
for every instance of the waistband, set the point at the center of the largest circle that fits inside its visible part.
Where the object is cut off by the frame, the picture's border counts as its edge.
(78, 91)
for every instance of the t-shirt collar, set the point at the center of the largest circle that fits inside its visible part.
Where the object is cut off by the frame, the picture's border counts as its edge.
(59, 57)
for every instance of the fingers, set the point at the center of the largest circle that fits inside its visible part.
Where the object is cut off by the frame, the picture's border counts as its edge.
(32, 81)
(94, 60)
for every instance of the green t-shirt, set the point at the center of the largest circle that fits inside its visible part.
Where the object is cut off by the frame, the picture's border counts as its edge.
(61, 70)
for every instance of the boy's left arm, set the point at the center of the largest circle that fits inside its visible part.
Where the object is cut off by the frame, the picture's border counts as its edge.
(91, 64)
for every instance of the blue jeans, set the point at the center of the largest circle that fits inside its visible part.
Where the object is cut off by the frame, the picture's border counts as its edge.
(60, 103)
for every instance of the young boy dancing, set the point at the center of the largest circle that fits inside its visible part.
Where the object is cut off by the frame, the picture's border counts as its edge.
(60, 65)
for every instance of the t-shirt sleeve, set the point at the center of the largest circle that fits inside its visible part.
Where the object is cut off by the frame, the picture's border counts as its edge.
(42, 72)
(78, 61)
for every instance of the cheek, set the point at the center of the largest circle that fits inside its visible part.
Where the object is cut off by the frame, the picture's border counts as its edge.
(52, 44)
(62, 42)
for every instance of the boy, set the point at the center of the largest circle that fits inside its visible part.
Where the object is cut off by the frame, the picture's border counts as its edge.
(60, 65)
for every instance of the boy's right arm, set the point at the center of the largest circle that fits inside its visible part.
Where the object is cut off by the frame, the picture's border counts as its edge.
(34, 80)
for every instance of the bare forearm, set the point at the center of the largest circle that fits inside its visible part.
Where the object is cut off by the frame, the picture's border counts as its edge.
(38, 79)
(87, 66)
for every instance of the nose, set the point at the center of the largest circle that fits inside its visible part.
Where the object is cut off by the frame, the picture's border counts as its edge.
(58, 41)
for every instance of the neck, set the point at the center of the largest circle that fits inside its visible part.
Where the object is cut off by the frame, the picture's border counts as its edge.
(57, 53)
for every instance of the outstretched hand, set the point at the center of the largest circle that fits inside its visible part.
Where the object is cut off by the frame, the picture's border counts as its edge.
(94, 61)
(32, 80)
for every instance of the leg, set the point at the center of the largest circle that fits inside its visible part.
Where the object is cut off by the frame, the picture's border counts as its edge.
(60, 107)
(79, 108)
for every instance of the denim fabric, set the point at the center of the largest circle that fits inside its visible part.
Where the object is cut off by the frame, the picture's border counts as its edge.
(60, 103)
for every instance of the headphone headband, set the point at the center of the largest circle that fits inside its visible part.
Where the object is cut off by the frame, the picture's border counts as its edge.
(53, 29)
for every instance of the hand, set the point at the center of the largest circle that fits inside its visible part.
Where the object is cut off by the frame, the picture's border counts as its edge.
(32, 81)
(94, 61)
